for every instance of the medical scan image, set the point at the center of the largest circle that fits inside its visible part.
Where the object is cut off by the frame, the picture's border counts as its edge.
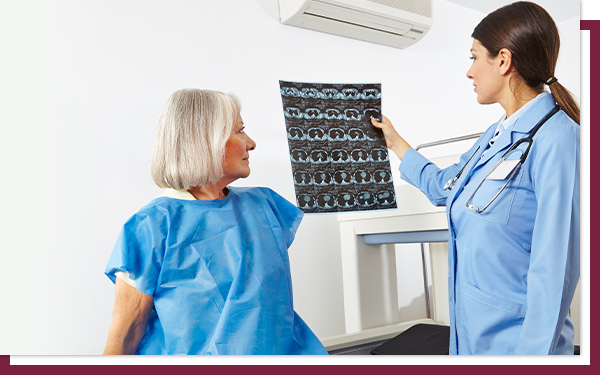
(340, 161)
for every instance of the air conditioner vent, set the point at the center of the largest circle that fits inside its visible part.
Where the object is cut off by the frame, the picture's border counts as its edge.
(422, 8)
(395, 23)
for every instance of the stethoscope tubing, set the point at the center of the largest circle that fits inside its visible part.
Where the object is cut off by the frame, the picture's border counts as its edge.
(451, 182)
(477, 210)
(529, 140)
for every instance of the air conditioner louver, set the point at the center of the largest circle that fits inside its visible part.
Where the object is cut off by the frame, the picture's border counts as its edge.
(422, 8)
(396, 23)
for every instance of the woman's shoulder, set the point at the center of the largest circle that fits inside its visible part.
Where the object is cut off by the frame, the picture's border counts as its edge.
(263, 196)
(253, 191)
(558, 129)
(156, 210)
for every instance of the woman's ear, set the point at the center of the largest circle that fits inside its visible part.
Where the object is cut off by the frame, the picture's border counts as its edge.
(504, 61)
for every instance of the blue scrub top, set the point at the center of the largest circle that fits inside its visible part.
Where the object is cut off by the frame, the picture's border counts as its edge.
(513, 268)
(219, 273)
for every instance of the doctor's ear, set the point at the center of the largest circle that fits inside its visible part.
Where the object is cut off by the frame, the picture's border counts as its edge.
(504, 61)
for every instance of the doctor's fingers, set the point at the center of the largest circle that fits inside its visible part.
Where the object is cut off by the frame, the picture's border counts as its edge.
(390, 133)
(384, 122)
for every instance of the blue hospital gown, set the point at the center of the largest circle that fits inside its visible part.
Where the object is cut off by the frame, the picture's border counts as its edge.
(219, 273)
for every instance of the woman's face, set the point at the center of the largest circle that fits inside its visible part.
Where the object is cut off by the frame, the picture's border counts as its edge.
(485, 75)
(236, 163)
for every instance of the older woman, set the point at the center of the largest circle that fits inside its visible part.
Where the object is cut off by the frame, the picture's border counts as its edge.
(204, 269)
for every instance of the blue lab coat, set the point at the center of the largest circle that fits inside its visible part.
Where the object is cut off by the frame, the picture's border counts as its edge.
(219, 273)
(513, 268)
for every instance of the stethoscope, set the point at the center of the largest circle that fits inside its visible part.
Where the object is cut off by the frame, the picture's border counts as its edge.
(529, 139)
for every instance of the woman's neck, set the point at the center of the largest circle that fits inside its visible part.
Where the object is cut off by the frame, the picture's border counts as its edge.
(209, 192)
(517, 99)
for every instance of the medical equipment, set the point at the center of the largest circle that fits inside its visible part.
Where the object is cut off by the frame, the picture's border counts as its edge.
(451, 182)
(340, 161)
(529, 140)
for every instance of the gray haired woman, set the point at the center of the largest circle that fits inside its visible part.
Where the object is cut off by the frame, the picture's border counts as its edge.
(204, 268)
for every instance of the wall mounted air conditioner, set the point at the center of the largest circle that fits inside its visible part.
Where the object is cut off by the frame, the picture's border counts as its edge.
(395, 23)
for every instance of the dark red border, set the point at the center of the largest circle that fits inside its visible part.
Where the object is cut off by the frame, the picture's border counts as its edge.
(591, 207)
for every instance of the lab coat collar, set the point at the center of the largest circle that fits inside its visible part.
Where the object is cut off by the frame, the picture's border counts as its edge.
(484, 140)
(533, 115)
(523, 125)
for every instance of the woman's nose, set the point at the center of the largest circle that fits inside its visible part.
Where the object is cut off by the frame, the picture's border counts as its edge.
(251, 144)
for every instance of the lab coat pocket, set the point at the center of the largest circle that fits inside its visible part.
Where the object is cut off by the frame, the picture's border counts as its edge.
(490, 324)
(499, 210)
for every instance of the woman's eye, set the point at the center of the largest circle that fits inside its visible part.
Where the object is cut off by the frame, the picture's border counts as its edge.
(472, 58)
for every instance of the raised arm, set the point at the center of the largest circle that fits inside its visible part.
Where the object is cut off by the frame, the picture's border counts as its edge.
(417, 170)
(130, 317)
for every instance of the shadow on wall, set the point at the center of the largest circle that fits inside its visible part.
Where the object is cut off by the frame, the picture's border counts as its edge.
(271, 7)
(415, 310)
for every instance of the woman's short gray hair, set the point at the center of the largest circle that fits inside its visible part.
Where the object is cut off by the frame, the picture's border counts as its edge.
(189, 145)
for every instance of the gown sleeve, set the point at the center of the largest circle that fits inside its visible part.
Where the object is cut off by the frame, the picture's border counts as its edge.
(427, 177)
(139, 250)
(288, 215)
(554, 260)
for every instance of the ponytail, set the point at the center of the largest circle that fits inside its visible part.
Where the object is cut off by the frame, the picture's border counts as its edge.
(565, 100)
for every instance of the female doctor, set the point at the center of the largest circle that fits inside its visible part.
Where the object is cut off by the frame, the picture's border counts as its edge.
(512, 205)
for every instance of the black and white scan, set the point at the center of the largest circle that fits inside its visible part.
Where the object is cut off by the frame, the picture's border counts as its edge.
(340, 162)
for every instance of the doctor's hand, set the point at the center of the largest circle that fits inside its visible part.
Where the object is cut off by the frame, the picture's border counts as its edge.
(394, 141)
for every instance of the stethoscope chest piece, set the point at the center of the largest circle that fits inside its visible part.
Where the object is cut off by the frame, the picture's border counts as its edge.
(473, 208)
(450, 184)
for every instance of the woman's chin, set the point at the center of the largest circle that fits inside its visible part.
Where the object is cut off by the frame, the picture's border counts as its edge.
(245, 174)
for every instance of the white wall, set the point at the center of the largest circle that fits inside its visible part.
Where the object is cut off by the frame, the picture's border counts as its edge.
(81, 85)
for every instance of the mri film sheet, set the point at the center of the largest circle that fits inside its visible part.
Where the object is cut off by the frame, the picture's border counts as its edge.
(340, 162)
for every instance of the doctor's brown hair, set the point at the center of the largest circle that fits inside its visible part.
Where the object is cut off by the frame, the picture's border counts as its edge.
(530, 34)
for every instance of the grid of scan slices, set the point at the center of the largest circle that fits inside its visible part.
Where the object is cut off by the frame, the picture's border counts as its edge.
(340, 162)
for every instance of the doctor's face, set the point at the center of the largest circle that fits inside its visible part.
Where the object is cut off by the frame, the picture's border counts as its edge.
(236, 163)
(484, 73)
